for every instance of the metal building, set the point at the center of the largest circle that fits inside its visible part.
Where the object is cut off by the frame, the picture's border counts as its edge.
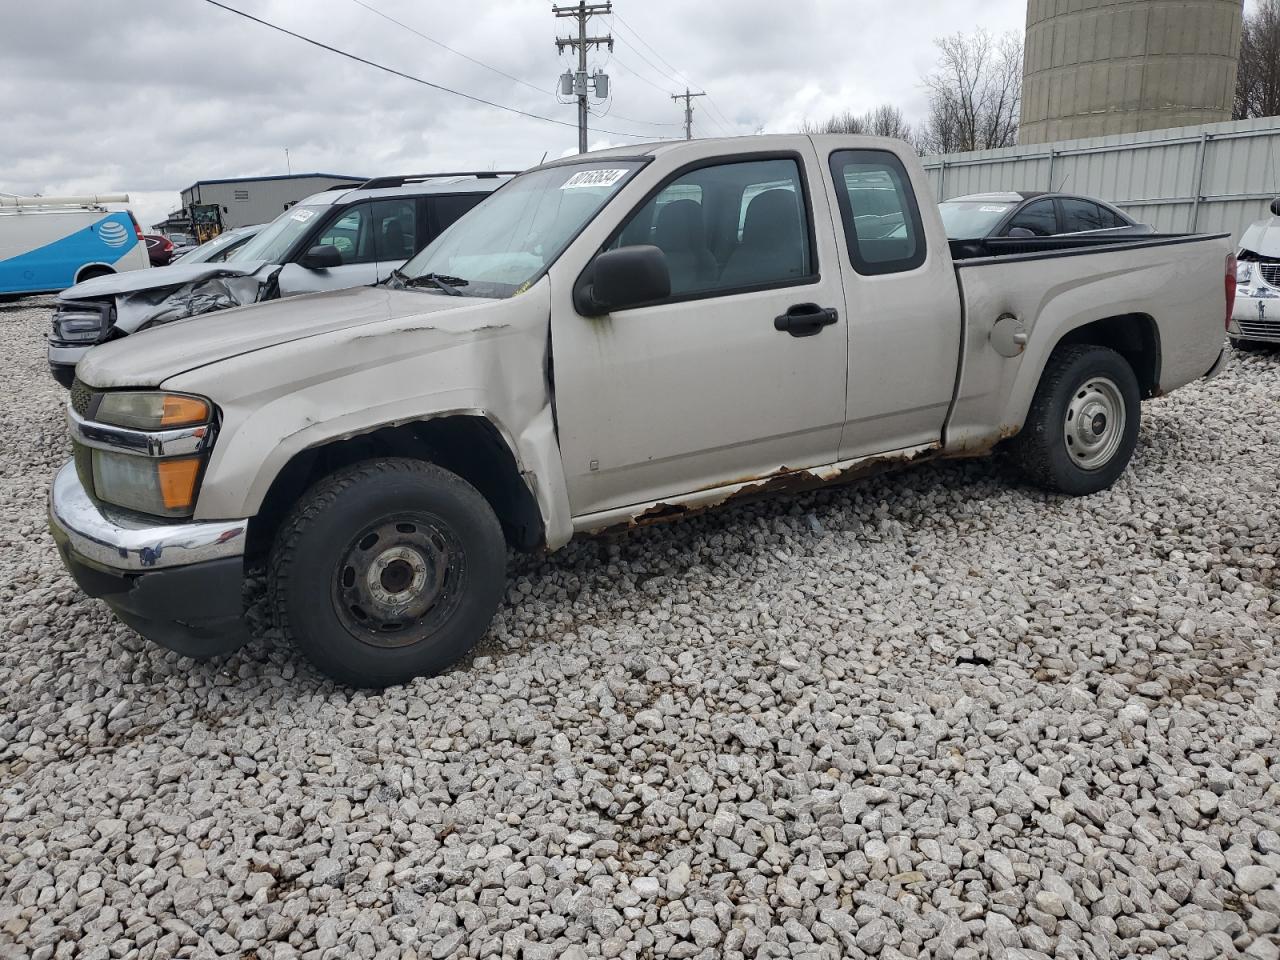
(246, 200)
(1097, 67)
(1214, 178)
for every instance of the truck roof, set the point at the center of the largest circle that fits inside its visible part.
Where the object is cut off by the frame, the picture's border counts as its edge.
(768, 141)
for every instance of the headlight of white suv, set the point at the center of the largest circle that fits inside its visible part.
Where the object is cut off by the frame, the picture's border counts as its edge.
(1244, 272)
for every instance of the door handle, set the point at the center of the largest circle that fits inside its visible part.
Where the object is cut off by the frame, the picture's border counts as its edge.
(805, 319)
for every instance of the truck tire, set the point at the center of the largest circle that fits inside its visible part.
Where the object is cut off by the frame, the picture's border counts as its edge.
(1083, 423)
(387, 570)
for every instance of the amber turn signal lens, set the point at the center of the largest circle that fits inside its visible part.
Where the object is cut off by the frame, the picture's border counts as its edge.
(178, 482)
(182, 411)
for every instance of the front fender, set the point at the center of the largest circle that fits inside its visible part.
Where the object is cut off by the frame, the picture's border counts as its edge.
(484, 360)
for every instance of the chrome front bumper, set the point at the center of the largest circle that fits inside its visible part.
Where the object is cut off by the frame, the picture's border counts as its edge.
(180, 585)
(119, 541)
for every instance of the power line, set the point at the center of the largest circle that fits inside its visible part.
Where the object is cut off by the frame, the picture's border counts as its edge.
(715, 106)
(409, 76)
(678, 74)
(632, 30)
(445, 46)
(638, 75)
(658, 71)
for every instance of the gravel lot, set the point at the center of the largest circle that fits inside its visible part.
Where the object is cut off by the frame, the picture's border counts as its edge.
(935, 715)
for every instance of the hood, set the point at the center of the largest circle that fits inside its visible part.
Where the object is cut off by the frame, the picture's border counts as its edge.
(157, 278)
(1263, 237)
(146, 359)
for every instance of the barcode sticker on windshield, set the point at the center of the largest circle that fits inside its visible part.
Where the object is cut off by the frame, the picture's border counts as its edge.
(302, 216)
(594, 178)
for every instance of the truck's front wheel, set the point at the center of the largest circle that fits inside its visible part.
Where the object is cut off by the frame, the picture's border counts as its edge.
(1083, 424)
(387, 570)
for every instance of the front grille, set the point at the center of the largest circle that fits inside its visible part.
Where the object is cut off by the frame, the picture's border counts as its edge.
(1270, 273)
(1260, 329)
(81, 398)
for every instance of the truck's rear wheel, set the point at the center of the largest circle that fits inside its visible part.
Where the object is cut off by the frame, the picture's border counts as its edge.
(1083, 423)
(387, 570)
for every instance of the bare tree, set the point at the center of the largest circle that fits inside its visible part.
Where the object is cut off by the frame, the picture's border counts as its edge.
(1258, 76)
(885, 120)
(846, 122)
(974, 94)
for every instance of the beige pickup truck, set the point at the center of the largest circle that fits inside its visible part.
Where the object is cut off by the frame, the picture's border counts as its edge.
(607, 340)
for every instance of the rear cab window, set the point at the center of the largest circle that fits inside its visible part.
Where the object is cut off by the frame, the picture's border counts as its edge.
(882, 226)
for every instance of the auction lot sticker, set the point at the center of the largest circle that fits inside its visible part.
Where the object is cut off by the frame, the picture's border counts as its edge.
(594, 178)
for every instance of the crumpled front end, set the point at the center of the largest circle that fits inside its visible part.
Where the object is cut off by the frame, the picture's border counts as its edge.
(1256, 315)
(141, 309)
(106, 308)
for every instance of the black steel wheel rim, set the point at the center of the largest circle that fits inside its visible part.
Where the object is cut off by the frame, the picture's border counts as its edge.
(399, 580)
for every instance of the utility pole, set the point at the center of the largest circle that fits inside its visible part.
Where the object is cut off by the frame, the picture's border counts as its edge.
(687, 97)
(576, 84)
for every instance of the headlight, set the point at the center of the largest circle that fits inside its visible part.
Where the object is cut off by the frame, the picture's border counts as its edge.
(1244, 272)
(82, 321)
(152, 410)
(144, 449)
(163, 488)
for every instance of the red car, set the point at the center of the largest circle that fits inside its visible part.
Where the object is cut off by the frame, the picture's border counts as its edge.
(159, 249)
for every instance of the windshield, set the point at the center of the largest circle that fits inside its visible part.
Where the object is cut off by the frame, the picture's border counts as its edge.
(971, 219)
(215, 249)
(506, 242)
(278, 236)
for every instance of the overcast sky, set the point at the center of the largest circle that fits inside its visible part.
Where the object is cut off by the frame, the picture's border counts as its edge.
(148, 97)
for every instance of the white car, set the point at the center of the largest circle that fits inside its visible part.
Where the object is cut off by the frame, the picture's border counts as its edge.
(1256, 317)
(339, 238)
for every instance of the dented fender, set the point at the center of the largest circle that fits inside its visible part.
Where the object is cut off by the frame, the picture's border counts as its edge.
(429, 356)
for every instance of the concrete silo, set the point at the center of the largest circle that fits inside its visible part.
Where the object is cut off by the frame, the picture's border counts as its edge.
(1095, 67)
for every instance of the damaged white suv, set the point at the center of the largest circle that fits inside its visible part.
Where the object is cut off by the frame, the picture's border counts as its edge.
(338, 238)
(1256, 317)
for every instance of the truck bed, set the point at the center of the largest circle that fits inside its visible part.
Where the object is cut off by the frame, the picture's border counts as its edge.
(1165, 289)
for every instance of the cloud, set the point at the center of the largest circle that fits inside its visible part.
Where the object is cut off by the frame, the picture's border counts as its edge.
(147, 98)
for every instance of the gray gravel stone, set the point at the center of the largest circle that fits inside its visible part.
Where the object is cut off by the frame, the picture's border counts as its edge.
(931, 715)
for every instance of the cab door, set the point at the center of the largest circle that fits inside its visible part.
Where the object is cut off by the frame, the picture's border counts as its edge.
(351, 232)
(901, 303)
(740, 372)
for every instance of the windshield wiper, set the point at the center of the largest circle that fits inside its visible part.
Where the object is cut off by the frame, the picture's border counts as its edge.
(438, 280)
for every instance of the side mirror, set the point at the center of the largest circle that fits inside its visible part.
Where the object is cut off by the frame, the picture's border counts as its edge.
(1020, 233)
(1275, 207)
(321, 257)
(626, 277)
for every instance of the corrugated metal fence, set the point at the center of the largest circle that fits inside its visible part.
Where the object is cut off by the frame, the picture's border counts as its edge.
(1215, 178)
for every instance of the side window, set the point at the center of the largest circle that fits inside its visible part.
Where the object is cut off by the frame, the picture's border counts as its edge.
(882, 224)
(727, 227)
(1110, 219)
(1080, 215)
(394, 229)
(351, 233)
(448, 208)
(1038, 217)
